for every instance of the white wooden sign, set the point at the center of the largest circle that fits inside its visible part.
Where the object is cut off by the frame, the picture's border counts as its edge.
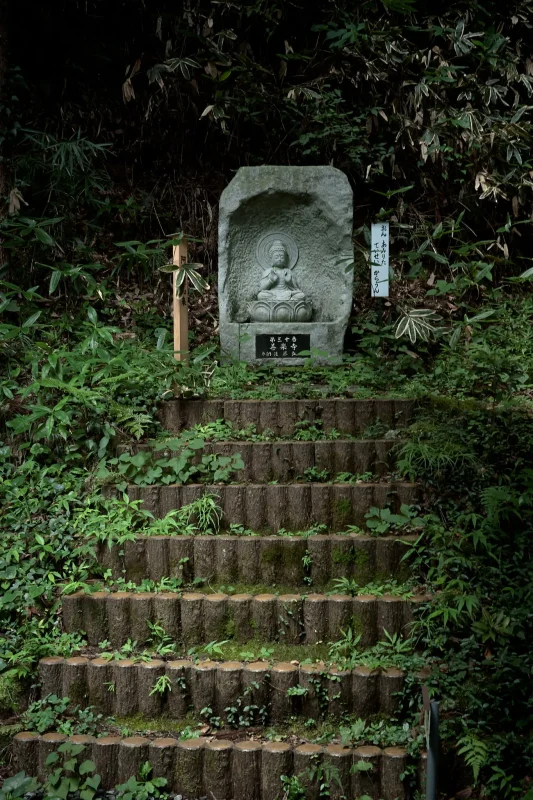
(379, 256)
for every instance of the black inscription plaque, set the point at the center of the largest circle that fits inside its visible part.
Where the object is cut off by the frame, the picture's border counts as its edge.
(282, 345)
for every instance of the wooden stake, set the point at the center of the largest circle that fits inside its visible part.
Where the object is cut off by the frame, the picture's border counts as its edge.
(180, 306)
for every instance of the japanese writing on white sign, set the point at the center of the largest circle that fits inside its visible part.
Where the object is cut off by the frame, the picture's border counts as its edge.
(379, 260)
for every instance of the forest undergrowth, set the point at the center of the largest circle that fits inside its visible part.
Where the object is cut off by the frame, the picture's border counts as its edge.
(74, 386)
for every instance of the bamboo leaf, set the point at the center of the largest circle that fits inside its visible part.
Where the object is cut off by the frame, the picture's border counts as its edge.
(55, 277)
(31, 320)
(401, 328)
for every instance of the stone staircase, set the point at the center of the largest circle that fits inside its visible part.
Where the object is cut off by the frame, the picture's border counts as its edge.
(193, 617)
(301, 610)
(259, 559)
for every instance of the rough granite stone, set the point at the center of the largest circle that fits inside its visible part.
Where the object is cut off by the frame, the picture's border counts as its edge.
(285, 245)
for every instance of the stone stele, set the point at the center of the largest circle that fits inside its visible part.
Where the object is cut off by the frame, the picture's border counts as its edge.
(285, 269)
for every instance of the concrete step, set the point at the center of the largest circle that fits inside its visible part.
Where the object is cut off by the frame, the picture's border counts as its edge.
(286, 461)
(195, 618)
(239, 694)
(293, 506)
(227, 770)
(295, 561)
(280, 416)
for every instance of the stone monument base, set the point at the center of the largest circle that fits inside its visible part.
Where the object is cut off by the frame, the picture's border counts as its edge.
(281, 343)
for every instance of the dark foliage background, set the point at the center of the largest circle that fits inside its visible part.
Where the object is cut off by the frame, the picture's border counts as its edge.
(434, 96)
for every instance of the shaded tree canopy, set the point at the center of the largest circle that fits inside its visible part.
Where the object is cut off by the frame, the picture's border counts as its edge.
(401, 93)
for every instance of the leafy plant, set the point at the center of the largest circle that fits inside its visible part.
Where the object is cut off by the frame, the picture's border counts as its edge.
(211, 718)
(189, 733)
(314, 474)
(244, 713)
(381, 520)
(417, 324)
(297, 691)
(162, 686)
(344, 650)
(68, 775)
(307, 431)
(17, 786)
(210, 649)
(325, 775)
(381, 733)
(351, 587)
(144, 468)
(264, 654)
(185, 274)
(43, 715)
(350, 477)
(142, 787)
(293, 788)
(160, 641)
(57, 714)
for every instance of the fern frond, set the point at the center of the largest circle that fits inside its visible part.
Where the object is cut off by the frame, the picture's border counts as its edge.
(497, 501)
(135, 422)
(475, 752)
(83, 394)
(115, 380)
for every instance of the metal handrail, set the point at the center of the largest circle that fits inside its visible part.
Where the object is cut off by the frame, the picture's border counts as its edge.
(431, 721)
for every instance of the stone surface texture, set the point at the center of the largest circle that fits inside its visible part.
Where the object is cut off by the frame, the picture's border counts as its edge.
(192, 618)
(309, 209)
(347, 416)
(219, 685)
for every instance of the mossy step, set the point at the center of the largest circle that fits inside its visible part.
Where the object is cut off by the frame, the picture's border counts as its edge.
(245, 770)
(273, 560)
(287, 460)
(258, 692)
(347, 416)
(293, 506)
(194, 618)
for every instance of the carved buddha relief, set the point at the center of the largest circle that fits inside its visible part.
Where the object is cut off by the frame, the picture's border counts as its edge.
(279, 299)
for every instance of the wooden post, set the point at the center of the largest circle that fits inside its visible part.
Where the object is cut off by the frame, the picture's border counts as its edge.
(180, 307)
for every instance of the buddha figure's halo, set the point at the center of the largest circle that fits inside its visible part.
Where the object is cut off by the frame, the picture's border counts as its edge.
(265, 243)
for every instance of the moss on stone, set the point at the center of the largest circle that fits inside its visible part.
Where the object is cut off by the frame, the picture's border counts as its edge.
(359, 558)
(135, 573)
(77, 693)
(339, 556)
(356, 625)
(229, 627)
(139, 724)
(272, 554)
(277, 553)
(280, 652)
(250, 588)
(11, 692)
(7, 732)
(342, 507)
(292, 556)
(319, 730)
